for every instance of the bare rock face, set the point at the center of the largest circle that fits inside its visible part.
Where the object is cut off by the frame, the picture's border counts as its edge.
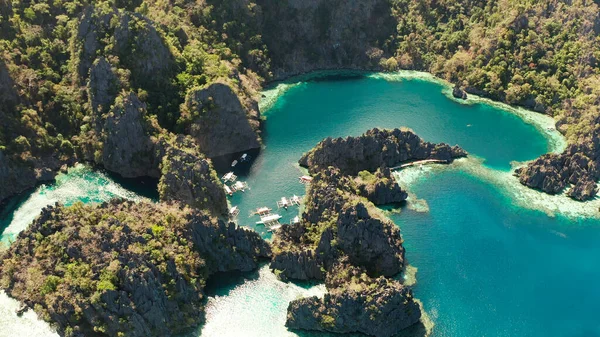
(552, 173)
(380, 188)
(457, 92)
(356, 303)
(15, 177)
(136, 42)
(103, 86)
(375, 149)
(221, 123)
(311, 35)
(128, 149)
(188, 177)
(370, 242)
(123, 268)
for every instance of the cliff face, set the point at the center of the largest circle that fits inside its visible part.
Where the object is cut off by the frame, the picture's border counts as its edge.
(320, 34)
(375, 149)
(128, 269)
(356, 303)
(127, 147)
(188, 177)
(221, 122)
(553, 173)
(337, 223)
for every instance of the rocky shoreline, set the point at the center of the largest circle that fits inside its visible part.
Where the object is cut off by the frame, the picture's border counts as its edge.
(129, 269)
(346, 241)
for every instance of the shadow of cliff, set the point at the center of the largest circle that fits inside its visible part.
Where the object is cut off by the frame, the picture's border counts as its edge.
(221, 284)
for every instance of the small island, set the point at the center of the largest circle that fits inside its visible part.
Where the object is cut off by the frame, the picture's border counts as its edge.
(345, 240)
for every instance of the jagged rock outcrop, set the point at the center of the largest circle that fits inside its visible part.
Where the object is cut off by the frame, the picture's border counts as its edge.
(188, 177)
(380, 188)
(375, 149)
(103, 86)
(128, 147)
(348, 241)
(220, 122)
(552, 173)
(15, 178)
(336, 223)
(122, 268)
(457, 92)
(372, 243)
(356, 302)
(136, 42)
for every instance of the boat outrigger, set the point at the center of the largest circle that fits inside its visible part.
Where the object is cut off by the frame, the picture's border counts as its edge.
(273, 228)
(287, 202)
(296, 200)
(284, 203)
(228, 190)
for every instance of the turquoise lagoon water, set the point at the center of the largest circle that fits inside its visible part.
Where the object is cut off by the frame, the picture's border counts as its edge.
(486, 267)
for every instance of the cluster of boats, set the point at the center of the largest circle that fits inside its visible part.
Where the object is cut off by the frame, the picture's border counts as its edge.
(267, 217)
(234, 184)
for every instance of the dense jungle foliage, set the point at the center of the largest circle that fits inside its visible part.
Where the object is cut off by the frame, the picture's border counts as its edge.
(543, 55)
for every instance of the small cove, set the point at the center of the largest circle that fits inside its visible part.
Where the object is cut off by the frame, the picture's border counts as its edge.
(486, 266)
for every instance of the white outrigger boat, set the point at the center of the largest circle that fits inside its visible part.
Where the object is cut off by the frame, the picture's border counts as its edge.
(284, 203)
(263, 211)
(240, 186)
(269, 220)
(228, 190)
(234, 211)
(296, 200)
(229, 177)
(273, 228)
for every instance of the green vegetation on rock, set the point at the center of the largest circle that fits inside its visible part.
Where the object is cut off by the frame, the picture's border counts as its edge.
(124, 268)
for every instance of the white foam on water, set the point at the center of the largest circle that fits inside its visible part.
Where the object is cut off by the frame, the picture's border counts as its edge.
(28, 325)
(79, 182)
(255, 308)
(509, 185)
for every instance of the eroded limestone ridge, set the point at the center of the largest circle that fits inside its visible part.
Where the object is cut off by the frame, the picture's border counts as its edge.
(122, 268)
(375, 149)
(347, 241)
(571, 170)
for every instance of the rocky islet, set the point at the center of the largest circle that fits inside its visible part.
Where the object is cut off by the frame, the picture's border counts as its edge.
(346, 241)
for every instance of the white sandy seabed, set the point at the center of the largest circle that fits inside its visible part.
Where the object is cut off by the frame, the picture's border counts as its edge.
(506, 182)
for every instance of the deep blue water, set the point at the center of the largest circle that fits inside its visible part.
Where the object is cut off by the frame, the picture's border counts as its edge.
(486, 268)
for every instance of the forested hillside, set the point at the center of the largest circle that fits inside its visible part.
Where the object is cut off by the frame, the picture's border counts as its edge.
(196, 67)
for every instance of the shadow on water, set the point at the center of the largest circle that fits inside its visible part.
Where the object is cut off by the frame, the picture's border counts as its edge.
(144, 186)
(221, 284)
(242, 168)
(8, 207)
